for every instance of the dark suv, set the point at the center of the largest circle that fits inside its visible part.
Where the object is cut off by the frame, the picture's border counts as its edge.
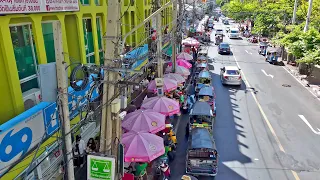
(224, 48)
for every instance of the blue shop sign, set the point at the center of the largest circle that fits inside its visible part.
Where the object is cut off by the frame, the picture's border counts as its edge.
(24, 132)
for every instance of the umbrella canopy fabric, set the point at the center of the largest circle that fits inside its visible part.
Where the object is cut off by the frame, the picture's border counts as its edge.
(182, 63)
(190, 42)
(146, 120)
(176, 77)
(206, 91)
(201, 109)
(179, 70)
(142, 146)
(168, 85)
(185, 56)
(204, 74)
(162, 105)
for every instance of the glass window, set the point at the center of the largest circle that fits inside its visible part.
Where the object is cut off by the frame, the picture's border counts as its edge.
(97, 2)
(234, 31)
(233, 72)
(99, 33)
(25, 55)
(47, 31)
(88, 38)
(224, 45)
(85, 2)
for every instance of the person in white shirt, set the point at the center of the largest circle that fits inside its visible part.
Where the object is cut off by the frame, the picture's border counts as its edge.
(79, 150)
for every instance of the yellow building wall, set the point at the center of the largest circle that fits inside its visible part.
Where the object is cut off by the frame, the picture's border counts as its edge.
(73, 46)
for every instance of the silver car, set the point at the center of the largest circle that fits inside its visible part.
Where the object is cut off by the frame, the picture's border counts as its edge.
(230, 75)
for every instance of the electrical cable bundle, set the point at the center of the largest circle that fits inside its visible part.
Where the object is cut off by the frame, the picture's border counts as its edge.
(73, 78)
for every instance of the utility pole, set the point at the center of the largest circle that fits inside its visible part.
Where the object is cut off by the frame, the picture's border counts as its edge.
(180, 24)
(193, 14)
(63, 98)
(111, 50)
(308, 16)
(174, 35)
(159, 40)
(294, 11)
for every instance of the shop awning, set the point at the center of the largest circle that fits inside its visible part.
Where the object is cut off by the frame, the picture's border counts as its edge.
(168, 50)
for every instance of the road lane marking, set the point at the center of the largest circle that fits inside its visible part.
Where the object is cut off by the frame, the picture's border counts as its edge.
(309, 125)
(301, 83)
(264, 72)
(295, 175)
(248, 52)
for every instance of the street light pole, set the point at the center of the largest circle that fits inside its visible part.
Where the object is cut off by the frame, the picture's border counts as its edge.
(306, 27)
(294, 11)
(174, 35)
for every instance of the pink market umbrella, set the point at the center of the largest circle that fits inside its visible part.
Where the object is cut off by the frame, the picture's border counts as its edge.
(142, 146)
(146, 120)
(185, 56)
(190, 42)
(179, 70)
(168, 85)
(162, 105)
(182, 63)
(180, 79)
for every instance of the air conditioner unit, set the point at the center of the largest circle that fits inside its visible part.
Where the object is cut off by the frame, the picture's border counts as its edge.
(31, 98)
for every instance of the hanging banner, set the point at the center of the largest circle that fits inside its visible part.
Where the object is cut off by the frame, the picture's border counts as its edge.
(37, 6)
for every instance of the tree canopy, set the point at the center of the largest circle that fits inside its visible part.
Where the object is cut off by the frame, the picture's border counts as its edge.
(273, 18)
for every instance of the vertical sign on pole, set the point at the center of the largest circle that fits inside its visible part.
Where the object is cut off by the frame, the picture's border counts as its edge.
(100, 168)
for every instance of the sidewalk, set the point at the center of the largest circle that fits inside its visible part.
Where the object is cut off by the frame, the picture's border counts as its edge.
(293, 70)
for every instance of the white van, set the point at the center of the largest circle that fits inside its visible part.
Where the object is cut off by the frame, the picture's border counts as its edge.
(234, 33)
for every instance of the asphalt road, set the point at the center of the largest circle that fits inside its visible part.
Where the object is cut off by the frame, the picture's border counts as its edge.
(261, 127)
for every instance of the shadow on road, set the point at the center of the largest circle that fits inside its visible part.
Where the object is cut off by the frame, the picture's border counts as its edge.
(227, 130)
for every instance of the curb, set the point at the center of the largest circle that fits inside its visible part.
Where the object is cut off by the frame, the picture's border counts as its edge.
(314, 90)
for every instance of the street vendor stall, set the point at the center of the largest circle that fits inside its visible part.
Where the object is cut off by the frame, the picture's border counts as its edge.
(201, 115)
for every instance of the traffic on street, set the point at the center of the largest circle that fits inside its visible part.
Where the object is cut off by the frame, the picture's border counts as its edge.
(266, 128)
(160, 90)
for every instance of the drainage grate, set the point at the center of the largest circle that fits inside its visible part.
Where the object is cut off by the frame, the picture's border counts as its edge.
(286, 85)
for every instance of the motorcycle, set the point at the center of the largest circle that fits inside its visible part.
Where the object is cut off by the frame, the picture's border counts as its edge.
(163, 172)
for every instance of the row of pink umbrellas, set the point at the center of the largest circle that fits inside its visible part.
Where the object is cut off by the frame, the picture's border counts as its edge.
(141, 144)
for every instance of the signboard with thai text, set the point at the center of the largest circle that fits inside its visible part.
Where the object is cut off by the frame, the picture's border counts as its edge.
(37, 6)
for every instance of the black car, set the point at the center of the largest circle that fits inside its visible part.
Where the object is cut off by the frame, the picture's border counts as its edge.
(224, 48)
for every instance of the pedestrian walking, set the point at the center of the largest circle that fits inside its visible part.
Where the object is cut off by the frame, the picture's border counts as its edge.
(79, 151)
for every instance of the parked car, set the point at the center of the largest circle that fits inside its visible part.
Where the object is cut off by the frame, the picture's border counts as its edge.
(226, 22)
(230, 75)
(224, 48)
